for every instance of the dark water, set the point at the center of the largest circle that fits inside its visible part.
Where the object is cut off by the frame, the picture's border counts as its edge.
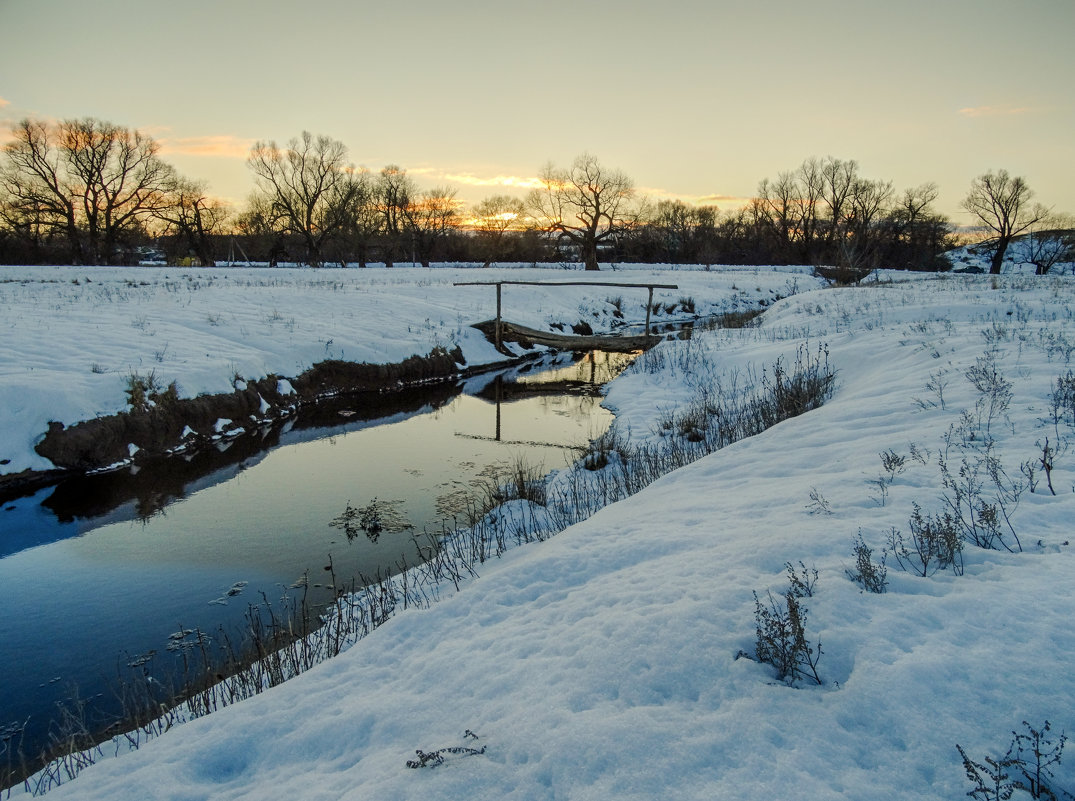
(100, 573)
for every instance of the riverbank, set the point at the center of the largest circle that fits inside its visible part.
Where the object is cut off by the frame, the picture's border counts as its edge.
(102, 364)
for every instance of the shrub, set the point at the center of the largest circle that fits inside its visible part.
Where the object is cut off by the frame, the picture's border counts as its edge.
(871, 576)
(1062, 402)
(781, 638)
(145, 391)
(1026, 766)
(818, 504)
(935, 544)
(978, 515)
(994, 390)
(802, 580)
(520, 481)
(168, 396)
(893, 463)
(140, 389)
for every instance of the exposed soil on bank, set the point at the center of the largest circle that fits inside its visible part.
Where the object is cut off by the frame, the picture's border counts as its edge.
(170, 425)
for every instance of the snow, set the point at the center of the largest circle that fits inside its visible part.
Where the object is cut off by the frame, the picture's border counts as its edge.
(606, 662)
(74, 336)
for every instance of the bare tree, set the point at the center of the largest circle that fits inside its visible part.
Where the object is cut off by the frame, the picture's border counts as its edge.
(808, 202)
(673, 223)
(917, 234)
(839, 179)
(771, 213)
(393, 191)
(789, 209)
(430, 217)
(1049, 242)
(677, 232)
(493, 218)
(258, 230)
(193, 218)
(860, 232)
(309, 188)
(1001, 203)
(89, 181)
(363, 228)
(587, 203)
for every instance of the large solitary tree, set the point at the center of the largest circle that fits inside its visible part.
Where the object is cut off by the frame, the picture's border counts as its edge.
(1002, 204)
(90, 182)
(308, 190)
(587, 202)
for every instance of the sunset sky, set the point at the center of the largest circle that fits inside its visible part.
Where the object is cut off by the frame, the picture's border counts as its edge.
(694, 99)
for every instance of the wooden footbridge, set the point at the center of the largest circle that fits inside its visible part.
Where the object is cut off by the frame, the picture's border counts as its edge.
(500, 330)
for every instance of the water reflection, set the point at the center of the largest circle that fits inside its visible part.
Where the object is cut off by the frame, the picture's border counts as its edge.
(103, 571)
(148, 489)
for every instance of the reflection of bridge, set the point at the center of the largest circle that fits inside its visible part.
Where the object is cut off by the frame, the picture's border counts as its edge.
(507, 391)
(526, 443)
(500, 391)
(502, 330)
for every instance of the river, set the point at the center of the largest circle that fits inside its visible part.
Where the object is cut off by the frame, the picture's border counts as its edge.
(106, 572)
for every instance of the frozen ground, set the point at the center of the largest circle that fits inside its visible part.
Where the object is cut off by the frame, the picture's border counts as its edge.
(606, 662)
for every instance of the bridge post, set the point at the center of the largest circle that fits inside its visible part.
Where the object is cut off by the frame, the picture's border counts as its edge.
(496, 336)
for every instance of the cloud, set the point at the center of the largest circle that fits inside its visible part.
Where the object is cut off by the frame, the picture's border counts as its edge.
(994, 111)
(721, 201)
(4, 102)
(509, 181)
(469, 179)
(231, 147)
(724, 201)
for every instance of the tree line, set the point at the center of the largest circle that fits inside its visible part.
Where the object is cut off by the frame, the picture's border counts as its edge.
(85, 191)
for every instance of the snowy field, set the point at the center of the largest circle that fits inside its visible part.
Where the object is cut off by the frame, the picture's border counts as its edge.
(73, 337)
(613, 661)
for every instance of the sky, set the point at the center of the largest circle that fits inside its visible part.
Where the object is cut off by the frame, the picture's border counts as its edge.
(693, 99)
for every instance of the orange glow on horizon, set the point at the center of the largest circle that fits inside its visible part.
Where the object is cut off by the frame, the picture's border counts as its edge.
(994, 111)
(215, 146)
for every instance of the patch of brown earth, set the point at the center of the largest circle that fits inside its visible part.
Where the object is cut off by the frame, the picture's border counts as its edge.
(106, 441)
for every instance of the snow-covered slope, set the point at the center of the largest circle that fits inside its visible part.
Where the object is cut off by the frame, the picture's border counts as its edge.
(607, 662)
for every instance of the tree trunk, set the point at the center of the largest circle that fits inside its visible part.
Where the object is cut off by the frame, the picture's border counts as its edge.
(589, 255)
(998, 255)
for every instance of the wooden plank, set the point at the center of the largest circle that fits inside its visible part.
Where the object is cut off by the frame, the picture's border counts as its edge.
(565, 283)
(611, 342)
(498, 326)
